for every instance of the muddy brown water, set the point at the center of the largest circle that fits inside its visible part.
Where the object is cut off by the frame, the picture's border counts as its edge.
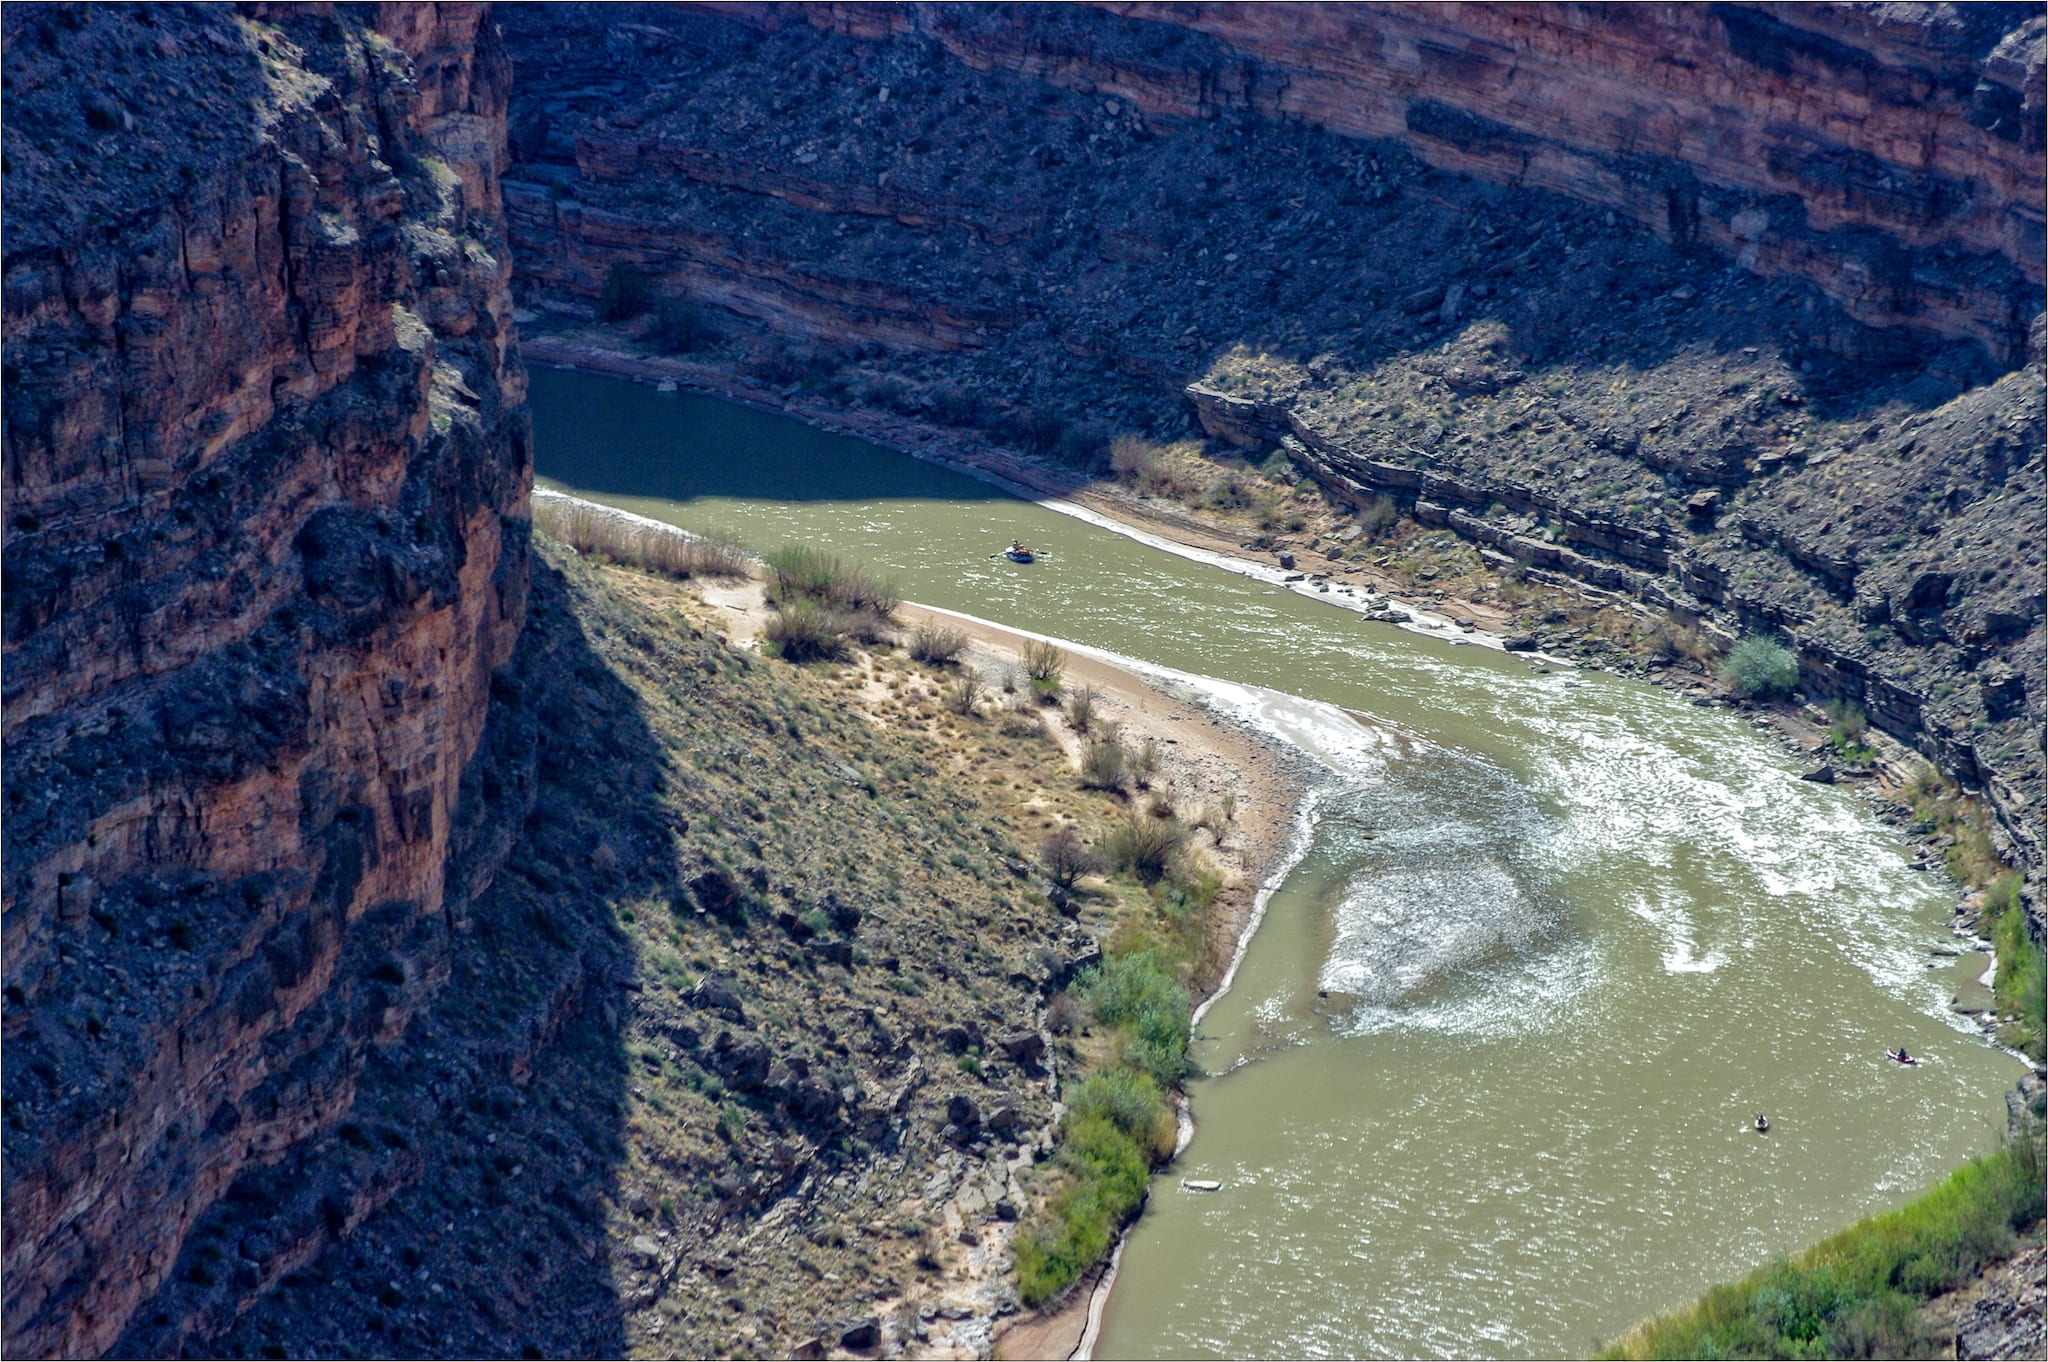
(1483, 1083)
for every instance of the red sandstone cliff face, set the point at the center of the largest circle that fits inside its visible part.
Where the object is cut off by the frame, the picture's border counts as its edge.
(266, 476)
(1893, 154)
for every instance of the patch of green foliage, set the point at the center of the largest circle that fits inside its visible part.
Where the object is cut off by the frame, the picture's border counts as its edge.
(1857, 1293)
(1757, 668)
(1118, 1122)
(1139, 995)
(2021, 984)
(1847, 728)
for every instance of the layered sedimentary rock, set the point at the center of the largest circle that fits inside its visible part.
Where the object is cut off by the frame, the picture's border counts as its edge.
(1892, 154)
(266, 477)
(1725, 308)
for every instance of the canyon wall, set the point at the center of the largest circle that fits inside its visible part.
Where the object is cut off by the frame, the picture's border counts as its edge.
(266, 478)
(1891, 154)
(1729, 309)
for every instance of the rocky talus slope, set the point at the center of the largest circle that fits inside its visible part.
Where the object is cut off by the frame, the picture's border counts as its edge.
(1732, 309)
(266, 473)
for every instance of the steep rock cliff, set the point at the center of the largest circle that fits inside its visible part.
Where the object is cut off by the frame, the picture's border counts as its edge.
(1061, 224)
(1893, 154)
(266, 472)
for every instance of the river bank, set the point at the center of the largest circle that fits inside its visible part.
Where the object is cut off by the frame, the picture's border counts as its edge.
(1150, 520)
(1705, 743)
(1205, 755)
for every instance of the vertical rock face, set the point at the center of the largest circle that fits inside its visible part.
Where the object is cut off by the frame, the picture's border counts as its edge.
(1893, 154)
(266, 472)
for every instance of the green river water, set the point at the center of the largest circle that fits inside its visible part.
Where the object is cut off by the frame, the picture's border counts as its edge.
(1574, 932)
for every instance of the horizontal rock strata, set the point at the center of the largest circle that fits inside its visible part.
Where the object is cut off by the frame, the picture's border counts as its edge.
(266, 478)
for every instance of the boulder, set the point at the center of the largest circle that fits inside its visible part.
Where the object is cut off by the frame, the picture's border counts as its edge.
(742, 1061)
(1025, 1047)
(715, 994)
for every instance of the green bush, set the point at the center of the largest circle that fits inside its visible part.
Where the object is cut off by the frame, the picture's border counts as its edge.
(1847, 728)
(1856, 1294)
(1133, 1101)
(1139, 995)
(2021, 983)
(799, 572)
(626, 293)
(1107, 1173)
(1760, 669)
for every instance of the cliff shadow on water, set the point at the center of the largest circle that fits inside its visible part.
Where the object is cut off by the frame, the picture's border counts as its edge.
(461, 1205)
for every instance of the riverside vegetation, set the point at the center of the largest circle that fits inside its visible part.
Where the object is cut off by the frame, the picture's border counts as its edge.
(1126, 1019)
(1857, 1293)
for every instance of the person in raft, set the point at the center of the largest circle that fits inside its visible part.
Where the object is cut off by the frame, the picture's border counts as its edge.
(1904, 1058)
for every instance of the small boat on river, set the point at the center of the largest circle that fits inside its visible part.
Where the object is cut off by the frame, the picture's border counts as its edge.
(1763, 1124)
(1017, 553)
(1899, 1056)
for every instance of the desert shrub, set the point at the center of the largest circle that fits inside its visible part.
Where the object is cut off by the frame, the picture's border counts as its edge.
(1378, 514)
(1019, 724)
(804, 631)
(1758, 668)
(1144, 762)
(652, 548)
(1044, 663)
(1067, 858)
(1081, 709)
(679, 326)
(1143, 846)
(797, 571)
(937, 644)
(1103, 765)
(1671, 641)
(965, 691)
(626, 293)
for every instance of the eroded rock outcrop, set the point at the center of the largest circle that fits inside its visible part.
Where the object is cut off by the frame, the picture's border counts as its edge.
(266, 536)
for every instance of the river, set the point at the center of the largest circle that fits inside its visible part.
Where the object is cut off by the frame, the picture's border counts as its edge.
(1573, 932)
